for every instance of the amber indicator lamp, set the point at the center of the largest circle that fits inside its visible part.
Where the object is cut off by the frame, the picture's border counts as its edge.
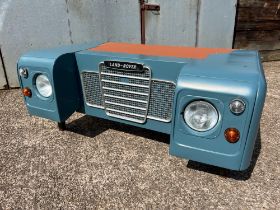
(232, 135)
(26, 92)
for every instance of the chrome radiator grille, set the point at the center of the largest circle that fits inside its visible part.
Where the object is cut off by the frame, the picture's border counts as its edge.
(154, 102)
(125, 94)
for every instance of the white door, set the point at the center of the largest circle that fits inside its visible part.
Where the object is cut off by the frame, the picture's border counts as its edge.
(200, 23)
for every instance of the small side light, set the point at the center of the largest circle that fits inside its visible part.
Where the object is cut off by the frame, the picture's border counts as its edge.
(237, 106)
(23, 72)
(232, 135)
(27, 92)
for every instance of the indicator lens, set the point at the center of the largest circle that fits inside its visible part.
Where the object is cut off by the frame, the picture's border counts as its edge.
(232, 135)
(26, 92)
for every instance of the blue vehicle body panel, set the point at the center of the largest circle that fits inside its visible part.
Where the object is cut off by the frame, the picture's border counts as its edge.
(169, 70)
(60, 66)
(218, 79)
(255, 120)
(235, 75)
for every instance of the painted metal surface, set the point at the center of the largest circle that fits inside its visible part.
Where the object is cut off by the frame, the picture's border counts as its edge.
(3, 82)
(86, 20)
(122, 21)
(57, 22)
(30, 25)
(41, 24)
(216, 23)
(227, 78)
(90, 60)
(257, 112)
(160, 50)
(218, 79)
(4, 5)
(60, 66)
(176, 24)
(145, 6)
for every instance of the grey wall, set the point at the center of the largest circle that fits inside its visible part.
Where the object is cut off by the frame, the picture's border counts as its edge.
(29, 24)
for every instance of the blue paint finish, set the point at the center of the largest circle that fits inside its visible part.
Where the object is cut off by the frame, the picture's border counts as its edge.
(224, 78)
(61, 68)
(166, 69)
(212, 148)
(239, 65)
(184, 128)
(67, 86)
(43, 108)
(217, 79)
(149, 124)
(255, 120)
(163, 69)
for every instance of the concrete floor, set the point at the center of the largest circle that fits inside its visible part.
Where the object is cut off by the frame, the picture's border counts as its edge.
(100, 164)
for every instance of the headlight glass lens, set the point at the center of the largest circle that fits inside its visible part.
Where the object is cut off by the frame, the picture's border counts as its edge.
(201, 115)
(43, 85)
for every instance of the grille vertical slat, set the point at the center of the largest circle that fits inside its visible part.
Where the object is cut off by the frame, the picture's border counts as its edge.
(134, 83)
(129, 102)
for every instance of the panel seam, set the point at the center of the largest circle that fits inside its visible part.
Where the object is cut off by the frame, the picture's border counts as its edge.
(68, 22)
(197, 22)
(7, 86)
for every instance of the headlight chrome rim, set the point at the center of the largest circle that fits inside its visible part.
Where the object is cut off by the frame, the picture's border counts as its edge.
(204, 118)
(43, 85)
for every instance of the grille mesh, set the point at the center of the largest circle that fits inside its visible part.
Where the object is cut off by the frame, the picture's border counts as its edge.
(91, 86)
(160, 102)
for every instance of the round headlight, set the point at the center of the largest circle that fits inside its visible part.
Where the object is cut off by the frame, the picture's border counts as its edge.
(201, 115)
(43, 85)
(237, 106)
